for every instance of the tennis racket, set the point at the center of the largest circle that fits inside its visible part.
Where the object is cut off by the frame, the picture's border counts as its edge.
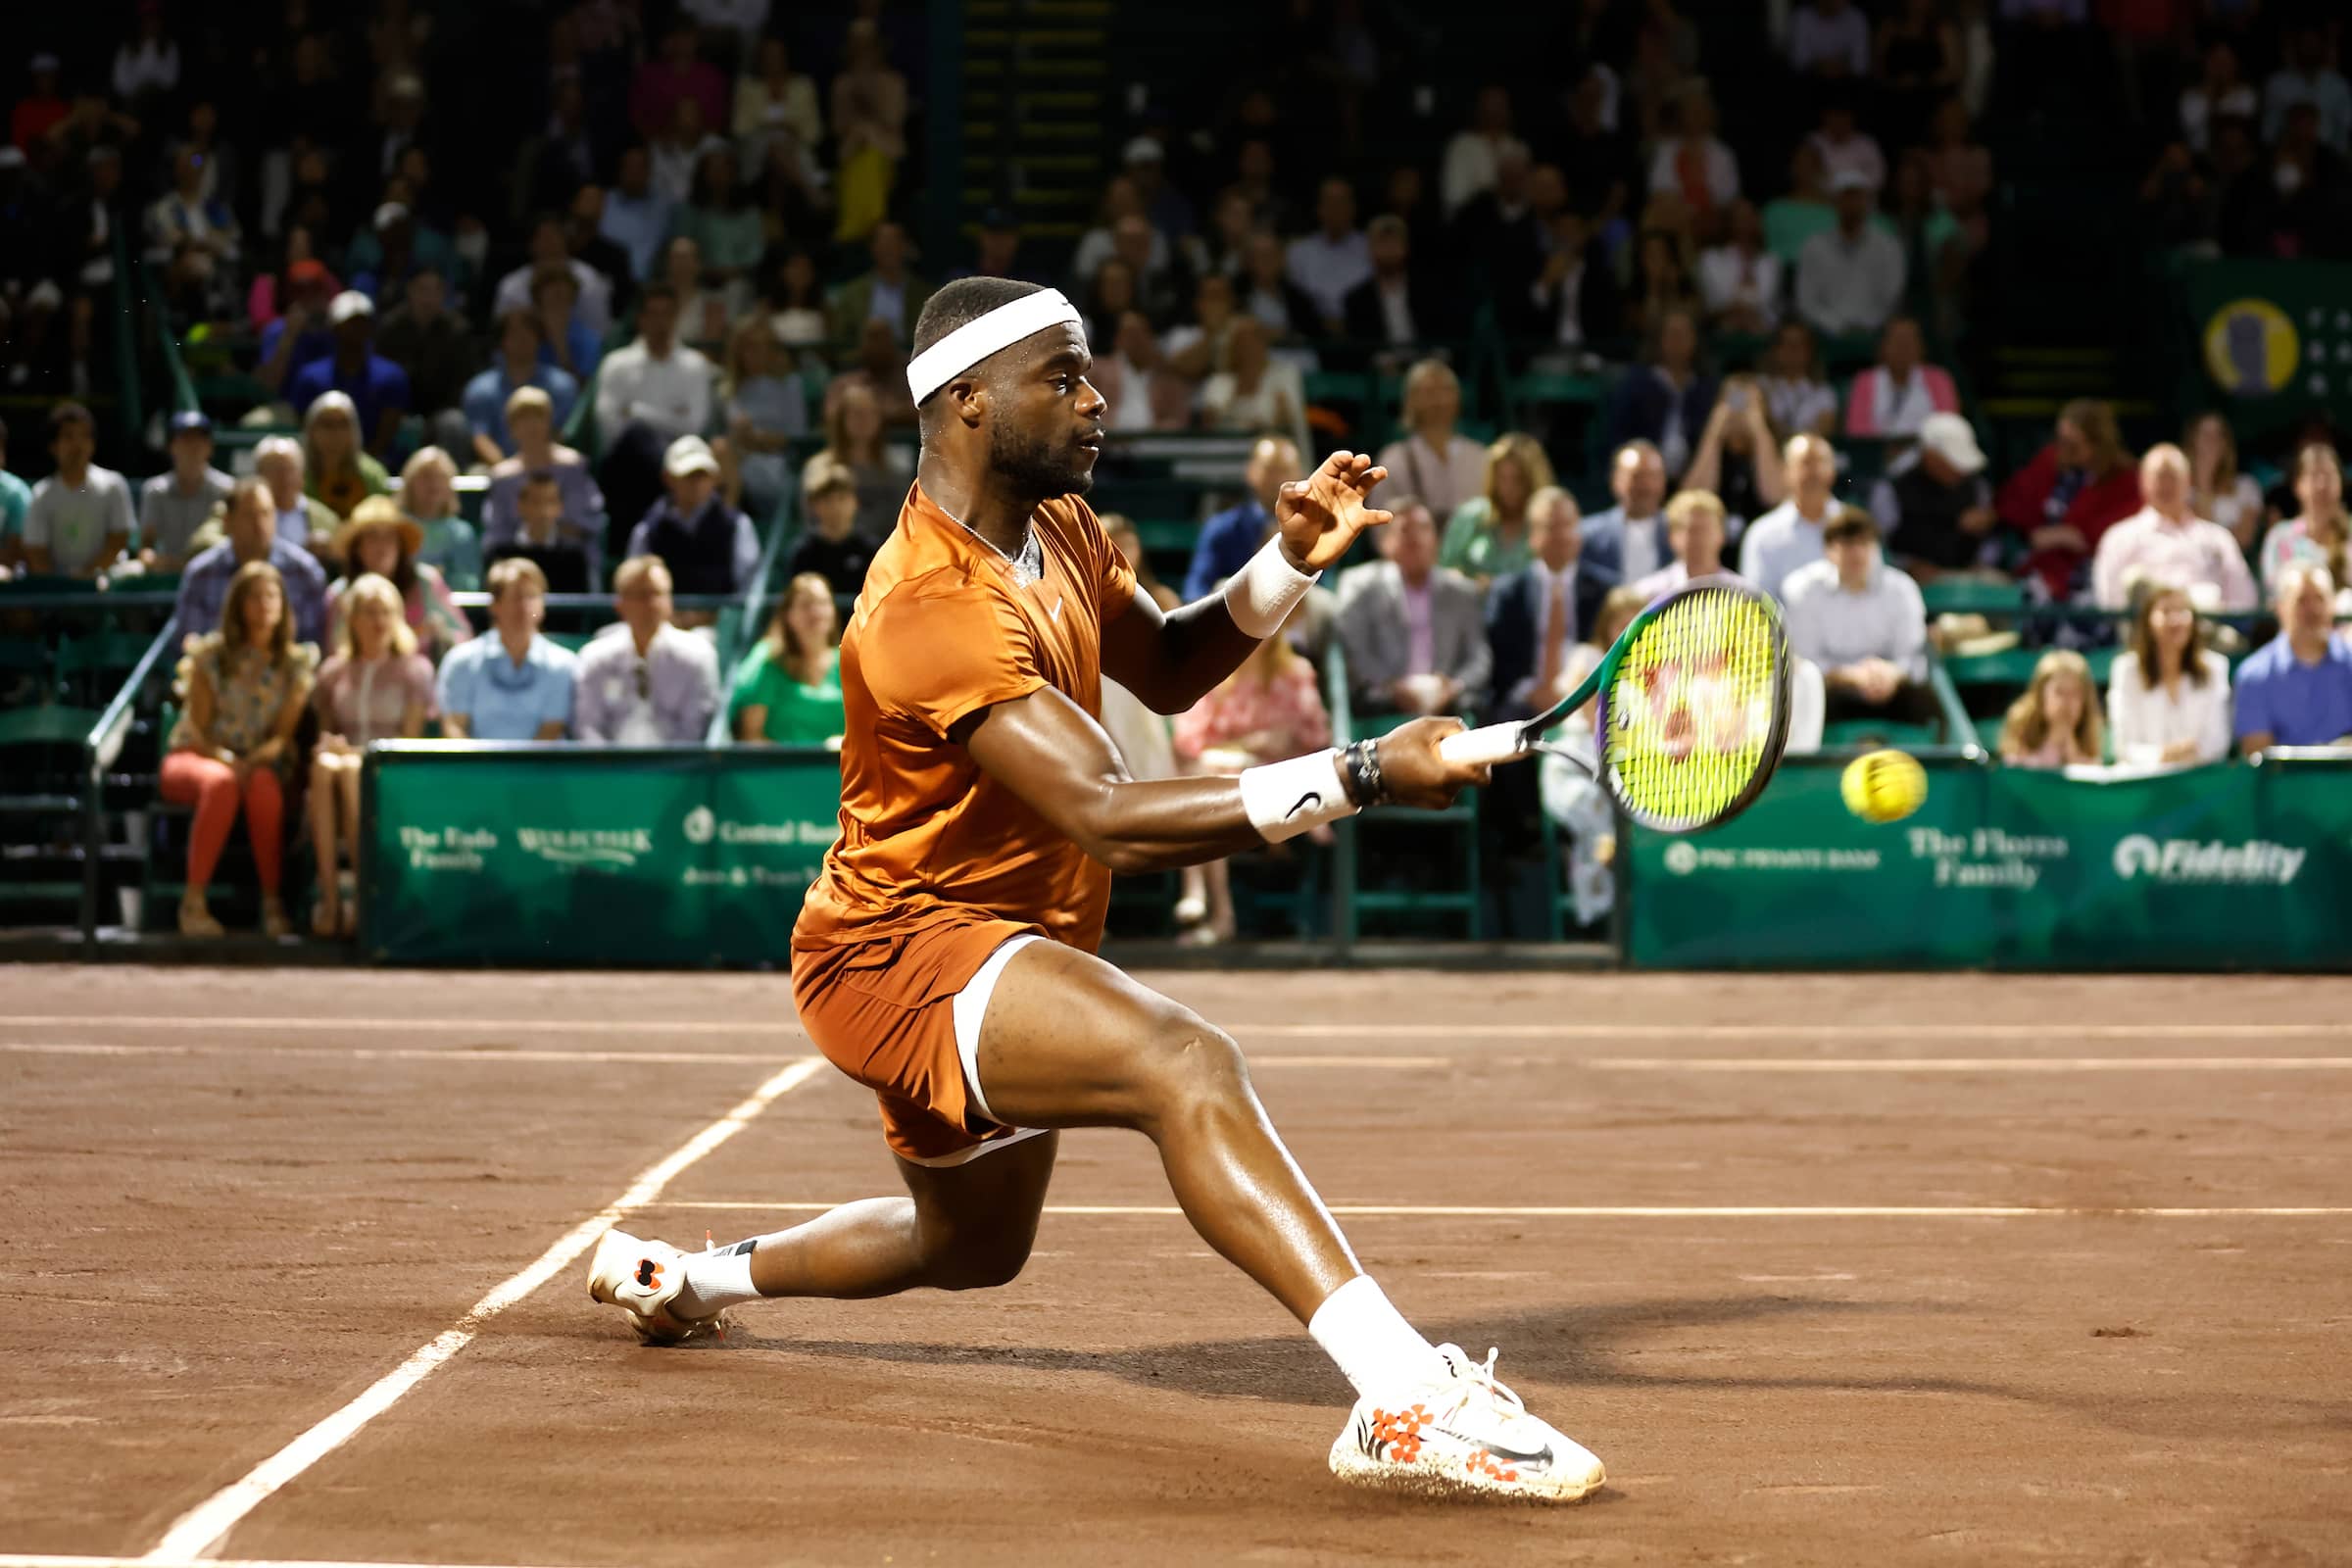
(1693, 710)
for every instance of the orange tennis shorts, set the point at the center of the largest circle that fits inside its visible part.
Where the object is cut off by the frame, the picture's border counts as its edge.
(884, 1013)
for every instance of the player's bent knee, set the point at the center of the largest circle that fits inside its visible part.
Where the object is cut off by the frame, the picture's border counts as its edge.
(978, 1263)
(1194, 1064)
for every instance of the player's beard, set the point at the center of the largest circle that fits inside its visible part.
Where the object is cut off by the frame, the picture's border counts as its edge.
(1037, 467)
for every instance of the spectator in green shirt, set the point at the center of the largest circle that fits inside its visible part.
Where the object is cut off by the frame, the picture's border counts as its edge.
(788, 687)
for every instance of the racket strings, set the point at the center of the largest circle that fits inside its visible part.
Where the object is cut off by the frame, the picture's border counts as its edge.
(1691, 711)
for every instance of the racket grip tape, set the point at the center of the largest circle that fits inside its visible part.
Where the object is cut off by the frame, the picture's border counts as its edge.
(1492, 743)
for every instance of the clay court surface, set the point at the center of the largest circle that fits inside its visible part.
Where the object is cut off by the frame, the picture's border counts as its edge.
(1846, 1270)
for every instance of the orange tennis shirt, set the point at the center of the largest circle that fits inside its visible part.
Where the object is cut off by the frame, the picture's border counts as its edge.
(941, 630)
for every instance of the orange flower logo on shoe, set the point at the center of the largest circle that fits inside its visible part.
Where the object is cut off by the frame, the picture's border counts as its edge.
(1482, 1464)
(649, 1273)
(1400, 1435)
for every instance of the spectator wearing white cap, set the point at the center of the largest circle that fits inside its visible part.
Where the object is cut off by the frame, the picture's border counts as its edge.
(709, 547)
(1162, 203)
(377, 388)
(649, 393)
(1895, 396)
(1936, 510)
(1850, 279)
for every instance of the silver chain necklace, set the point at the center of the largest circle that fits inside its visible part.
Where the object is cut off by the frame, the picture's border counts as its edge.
(1027, 567)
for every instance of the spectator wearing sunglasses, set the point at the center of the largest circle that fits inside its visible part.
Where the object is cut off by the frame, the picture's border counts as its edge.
(645, 682)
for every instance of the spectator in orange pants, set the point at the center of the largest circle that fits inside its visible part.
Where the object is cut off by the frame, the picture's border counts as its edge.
(247, 685)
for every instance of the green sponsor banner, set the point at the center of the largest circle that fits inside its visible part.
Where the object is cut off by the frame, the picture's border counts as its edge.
(2230, 866)
(576, 856)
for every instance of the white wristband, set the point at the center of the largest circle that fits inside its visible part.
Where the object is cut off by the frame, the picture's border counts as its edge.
(1260, 594)
(1285, 798)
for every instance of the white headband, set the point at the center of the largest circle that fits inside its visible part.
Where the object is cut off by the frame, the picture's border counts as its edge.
(1000, 328)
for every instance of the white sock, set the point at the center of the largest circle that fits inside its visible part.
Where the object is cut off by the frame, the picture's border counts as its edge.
(716, 1281)
(1372, 1343)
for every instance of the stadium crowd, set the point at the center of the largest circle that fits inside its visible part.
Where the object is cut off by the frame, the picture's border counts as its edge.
(679, 307)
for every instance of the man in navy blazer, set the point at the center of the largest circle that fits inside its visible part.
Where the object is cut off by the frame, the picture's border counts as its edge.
(1666, 398)
(1519, 607)
(1629, 540)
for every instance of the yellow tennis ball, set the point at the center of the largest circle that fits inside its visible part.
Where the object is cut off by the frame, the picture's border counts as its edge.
(1884, 786)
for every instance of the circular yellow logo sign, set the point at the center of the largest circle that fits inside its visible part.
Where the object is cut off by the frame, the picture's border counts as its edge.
(2251, 348)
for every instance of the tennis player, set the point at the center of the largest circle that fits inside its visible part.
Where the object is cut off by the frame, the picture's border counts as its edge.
(946, 956)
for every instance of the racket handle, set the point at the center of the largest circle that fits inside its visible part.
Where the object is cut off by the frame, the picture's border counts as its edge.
(1493, 743)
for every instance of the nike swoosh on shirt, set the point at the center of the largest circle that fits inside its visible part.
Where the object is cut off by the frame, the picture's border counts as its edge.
(1055, 614)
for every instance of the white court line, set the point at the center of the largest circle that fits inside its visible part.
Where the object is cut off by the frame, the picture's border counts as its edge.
(202, 1527)
(21, 1560)
(1958, 1063)
(1659, 1212)
(1435, 1029)
(61, 1048)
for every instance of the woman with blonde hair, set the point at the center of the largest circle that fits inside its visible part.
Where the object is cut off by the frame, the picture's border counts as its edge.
(2320, 534)
(1488, 536)
(2168, 697)
(1432, 459)
(428, 493)
(337, 471)
(788, 688)
(377, 687)
(1268, 708)
(2055, 723)
(235, 743)
(2216, 489)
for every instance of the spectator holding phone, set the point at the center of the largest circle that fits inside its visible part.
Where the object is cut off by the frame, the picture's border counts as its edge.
(1737, 459)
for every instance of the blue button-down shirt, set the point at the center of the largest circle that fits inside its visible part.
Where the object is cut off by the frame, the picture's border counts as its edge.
(486, 395)
(501, 699)
(203, 590)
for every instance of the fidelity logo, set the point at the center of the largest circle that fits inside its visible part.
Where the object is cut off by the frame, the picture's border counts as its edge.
(2208, 861)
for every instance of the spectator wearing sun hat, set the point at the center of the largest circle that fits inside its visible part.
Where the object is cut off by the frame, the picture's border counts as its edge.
(379, 389)
(708, 546)
(381, 539)
(1850, 279)
(1936, 510)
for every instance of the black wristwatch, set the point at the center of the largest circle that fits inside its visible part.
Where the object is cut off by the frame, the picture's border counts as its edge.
(1359, 765)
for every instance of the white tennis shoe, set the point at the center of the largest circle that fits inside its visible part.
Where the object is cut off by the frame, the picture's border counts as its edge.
(643, 1279)
(1467, 1434)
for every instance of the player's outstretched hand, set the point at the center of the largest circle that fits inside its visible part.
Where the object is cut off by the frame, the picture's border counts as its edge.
(1322, 515)
(1412, 771)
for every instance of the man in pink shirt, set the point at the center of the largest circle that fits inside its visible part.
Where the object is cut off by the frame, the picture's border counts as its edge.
(2166, 542)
